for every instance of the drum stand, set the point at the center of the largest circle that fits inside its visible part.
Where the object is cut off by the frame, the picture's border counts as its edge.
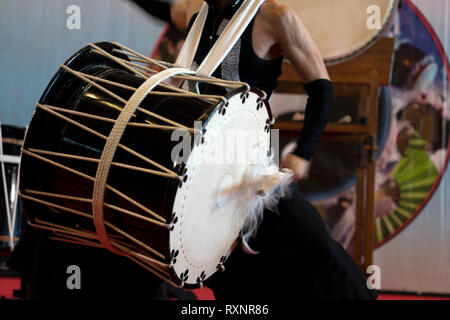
(360, 77)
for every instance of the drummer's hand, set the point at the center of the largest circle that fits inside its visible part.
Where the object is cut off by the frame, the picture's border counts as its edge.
(298, 165)
(178, 14)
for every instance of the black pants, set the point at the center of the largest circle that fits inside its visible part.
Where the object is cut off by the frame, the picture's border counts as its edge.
(297, 260)
(43, 264)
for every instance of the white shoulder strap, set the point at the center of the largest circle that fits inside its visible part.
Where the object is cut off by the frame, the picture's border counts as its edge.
(223, 45)
(229, 36)
(190, 46)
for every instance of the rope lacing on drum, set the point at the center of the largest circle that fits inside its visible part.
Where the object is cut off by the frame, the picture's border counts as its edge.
(120, 242)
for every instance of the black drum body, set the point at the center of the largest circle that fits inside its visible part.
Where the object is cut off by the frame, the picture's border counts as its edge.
(48, 132)
(134, 192)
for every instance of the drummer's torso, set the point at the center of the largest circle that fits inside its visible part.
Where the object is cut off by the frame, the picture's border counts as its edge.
(264, 44)
(255, 59)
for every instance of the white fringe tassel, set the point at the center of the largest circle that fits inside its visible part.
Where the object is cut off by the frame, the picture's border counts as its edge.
(262, 186)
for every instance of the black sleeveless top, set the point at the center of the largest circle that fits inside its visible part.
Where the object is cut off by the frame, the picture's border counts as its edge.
(242, 63)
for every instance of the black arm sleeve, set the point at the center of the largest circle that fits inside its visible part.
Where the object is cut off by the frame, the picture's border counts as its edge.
(159, 9)
(317, 113)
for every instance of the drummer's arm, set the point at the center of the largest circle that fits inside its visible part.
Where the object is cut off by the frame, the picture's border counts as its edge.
(178, 14)
(173, 12)
(300, 49)
(193, 6)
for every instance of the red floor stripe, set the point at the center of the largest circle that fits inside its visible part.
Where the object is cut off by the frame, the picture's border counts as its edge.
(7, 286)
(204, 294)
(391, 296)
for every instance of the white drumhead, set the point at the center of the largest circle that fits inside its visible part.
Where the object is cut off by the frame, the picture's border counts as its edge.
(207, 224)
(339, 27)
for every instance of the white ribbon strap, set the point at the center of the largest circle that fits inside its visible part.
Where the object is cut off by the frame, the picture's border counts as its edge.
(111, 144)
(229, 36)
(190, 46)
(223, 45)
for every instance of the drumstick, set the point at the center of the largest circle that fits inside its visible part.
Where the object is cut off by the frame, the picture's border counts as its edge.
(262, 185)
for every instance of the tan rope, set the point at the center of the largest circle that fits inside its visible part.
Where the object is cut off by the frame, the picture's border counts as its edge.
(217, 81)
(56, 195)
(62, 228)
(12, 141)
(65, 231)
(157, 116)
(149, 60)
(156, 93)
(135, 65)
(47, 203)
(120, 99)
(113, 83)
(82, 77)
(118, 60)
(105, 138)
(57, 229)
(137, 204)
(135, 59)
(127, 66)
(77, 233)
(162, 93)
(129, 253)
(86, 215)
(63, 234)
(165, 65)
(90, 235)
(149, 268)
(134, 68)
(136, 215)
(81, 174)
(110, 148)
(131, 56)
(56, 164)
(116, 208)
(75, 240)
(118, 164)
(118, 230)
(149, 259)
(44, 107)
(80, 241)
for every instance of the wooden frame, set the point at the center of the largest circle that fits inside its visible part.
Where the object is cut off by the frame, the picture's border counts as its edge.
(359, 77)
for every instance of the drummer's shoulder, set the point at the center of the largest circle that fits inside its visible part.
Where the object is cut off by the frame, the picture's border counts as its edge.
(284, 21)
(278, 14)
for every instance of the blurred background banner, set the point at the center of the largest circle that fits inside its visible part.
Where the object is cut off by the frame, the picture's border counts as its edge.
(412, 183)
(38, 35)
(412, 199)
(417, 258)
